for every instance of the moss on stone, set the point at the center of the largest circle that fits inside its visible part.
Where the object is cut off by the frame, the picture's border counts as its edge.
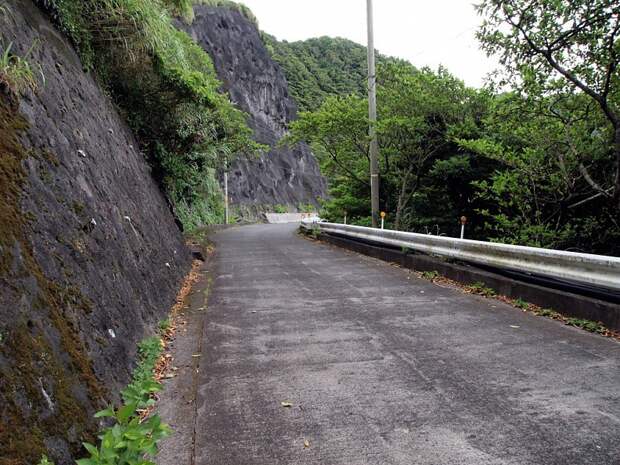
(32, 372)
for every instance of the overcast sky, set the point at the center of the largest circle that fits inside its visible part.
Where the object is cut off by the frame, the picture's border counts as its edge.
(430, 32)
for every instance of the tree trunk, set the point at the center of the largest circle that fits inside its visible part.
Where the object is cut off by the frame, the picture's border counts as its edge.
(401, 201)
(399, 209)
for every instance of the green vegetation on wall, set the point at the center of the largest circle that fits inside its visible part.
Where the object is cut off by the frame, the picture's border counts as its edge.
(167, 88)
(188, 13)
(16, 73)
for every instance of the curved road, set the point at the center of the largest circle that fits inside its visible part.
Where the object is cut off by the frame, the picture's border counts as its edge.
(383, 368)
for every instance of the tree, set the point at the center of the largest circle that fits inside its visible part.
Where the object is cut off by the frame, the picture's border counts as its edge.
(417, 110)
(558, 50)
(420, 112)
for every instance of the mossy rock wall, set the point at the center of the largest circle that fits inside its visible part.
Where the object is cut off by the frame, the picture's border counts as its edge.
(90, 255)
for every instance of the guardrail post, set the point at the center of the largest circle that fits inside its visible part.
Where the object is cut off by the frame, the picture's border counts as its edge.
(463, 223)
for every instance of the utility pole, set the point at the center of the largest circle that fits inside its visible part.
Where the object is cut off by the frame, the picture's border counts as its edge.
(372, 116)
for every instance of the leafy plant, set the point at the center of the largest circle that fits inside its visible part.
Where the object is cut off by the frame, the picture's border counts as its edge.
(588, 325)
(430, 275)
(520, 303)
(547, 312)
(140, 390)
(164, 325)
(481, 289)
(129, 441)
(280, 209)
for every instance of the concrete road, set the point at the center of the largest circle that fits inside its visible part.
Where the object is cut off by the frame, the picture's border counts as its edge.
(383, 368)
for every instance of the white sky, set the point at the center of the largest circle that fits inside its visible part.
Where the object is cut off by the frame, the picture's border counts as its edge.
(427, 33)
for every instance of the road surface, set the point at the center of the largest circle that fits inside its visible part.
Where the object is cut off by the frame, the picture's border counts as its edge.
(381, 367)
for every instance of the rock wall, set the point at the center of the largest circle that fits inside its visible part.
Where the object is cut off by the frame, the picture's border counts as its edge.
(90, 256)
(258, 86)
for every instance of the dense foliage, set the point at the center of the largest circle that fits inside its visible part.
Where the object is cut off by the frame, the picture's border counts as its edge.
(318, 68)
(558, 137)
(167, 88)
(533, 160)
(426, 177)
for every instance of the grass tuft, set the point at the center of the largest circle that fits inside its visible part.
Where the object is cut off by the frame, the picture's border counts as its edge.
(15, 71)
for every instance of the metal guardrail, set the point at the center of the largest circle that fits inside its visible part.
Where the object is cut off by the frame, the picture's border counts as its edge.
(594, 270)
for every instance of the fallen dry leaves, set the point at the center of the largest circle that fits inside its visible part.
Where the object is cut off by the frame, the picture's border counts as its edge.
(164, 368)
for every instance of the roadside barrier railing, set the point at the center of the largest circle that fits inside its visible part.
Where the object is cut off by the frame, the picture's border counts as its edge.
(589, 269)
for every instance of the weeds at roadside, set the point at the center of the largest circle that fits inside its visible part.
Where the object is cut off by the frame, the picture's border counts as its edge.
(588, 325)
(480, 288)
(133, 435)
(430, 275)
(548, 313)
(143, 385)
(520, 303)
(164, 325)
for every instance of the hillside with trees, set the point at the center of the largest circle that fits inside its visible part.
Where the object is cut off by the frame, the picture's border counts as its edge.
(318, 68)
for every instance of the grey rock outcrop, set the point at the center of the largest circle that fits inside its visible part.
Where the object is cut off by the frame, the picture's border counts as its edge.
(90, 256)
(257, 85)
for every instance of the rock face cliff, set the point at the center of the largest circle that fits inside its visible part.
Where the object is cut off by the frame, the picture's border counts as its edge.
(257, 86)
(90, 256)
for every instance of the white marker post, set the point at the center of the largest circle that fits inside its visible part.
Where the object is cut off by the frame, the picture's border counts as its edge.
(463, 223)
(382, 219)
(345, 217)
